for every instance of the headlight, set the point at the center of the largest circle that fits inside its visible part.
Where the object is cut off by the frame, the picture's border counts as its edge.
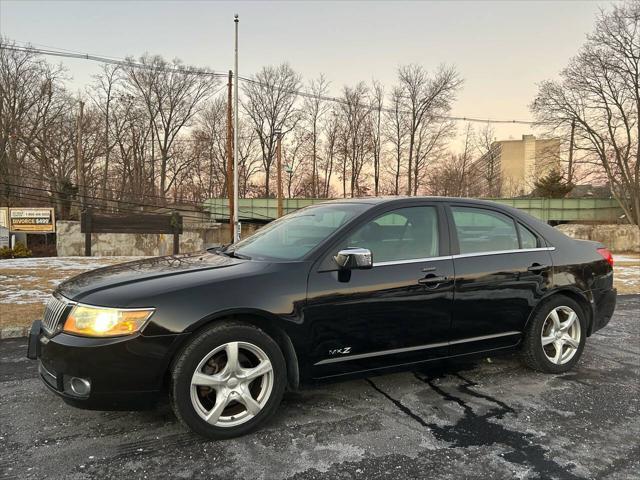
(105, 322)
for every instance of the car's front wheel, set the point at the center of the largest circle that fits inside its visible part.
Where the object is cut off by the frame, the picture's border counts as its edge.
(556, 335)
(228, 380)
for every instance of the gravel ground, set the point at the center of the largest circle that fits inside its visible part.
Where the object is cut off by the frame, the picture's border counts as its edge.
(488, 419)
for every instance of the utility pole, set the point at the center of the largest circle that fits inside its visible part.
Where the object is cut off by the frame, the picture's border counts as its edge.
(79, 159)
(571, 145)
(236, 230)
(279, 167)
(230, 170)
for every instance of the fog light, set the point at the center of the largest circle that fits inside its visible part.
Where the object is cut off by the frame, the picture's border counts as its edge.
(80, 386)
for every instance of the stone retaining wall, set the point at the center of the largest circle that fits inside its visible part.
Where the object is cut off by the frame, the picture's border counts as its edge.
(617, 238)
(195, 238)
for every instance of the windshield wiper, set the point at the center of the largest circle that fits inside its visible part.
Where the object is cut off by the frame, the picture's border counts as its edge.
(219, 248)
(231, 253)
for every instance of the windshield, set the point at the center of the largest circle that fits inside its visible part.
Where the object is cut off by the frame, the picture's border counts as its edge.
(293, 236)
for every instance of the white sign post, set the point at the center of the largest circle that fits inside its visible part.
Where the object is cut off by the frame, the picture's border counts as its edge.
(4, 237)
(4, 217)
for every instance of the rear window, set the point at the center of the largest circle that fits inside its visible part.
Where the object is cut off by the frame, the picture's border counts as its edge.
(527, 238)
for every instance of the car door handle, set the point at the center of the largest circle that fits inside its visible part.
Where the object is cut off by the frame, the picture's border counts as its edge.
(537, 268)
(432, 280)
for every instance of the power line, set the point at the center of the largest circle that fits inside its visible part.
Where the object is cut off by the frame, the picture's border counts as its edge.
(112, 61)
(105, 208)
(189, 213)
(130, 63)
(341, 101)
(113, 190)
(101, 208)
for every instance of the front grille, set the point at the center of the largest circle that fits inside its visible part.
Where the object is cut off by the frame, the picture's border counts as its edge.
(54, 313)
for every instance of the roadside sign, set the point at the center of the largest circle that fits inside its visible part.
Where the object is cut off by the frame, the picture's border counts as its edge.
(4, 217)
(4, 237)
(32, 220)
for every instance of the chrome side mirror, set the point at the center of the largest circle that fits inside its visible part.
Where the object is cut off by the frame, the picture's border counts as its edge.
(354, 259)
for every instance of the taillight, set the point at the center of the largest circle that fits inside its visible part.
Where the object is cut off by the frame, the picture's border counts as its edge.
(606, 254)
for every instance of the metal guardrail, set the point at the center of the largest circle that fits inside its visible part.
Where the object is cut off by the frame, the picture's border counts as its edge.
(601, 210)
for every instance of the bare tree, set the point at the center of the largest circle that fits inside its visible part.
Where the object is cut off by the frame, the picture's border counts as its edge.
(103, 92)
(298, 180)
(377, 117)
(133, 165)
(355, 111)
(427, 99)
(331, 145)
(30, 94)
(488, 168)
(599, 93)
(210, 136)
(270, 103)
(315, 107)
(431, 145)
(249, 163)
(396, 133)
(173, 95)
(452, 175)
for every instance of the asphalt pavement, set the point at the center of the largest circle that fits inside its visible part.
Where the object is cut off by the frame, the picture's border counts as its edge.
(492, 418)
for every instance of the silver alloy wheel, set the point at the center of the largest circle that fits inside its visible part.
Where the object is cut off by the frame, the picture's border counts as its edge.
(231, 384)
(561, 335)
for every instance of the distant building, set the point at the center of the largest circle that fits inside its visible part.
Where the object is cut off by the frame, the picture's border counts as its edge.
(511, 167)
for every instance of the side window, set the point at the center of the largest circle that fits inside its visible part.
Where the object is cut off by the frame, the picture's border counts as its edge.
(481, 230)
(527, 237)
(404, 234)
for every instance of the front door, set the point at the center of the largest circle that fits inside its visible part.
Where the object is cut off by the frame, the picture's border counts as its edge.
(399, 311)
(502, 269)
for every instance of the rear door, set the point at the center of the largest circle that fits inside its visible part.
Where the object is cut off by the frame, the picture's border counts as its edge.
(502, 268)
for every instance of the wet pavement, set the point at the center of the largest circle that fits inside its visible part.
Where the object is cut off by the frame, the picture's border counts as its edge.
(493, 418)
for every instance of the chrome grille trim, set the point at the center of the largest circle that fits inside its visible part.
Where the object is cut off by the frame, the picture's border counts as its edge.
(54, 312)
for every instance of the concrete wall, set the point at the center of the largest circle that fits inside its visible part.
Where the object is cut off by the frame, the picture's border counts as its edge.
(70, 241)
(617, 238)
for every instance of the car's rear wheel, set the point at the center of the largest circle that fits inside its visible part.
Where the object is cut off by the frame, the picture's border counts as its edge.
(556, 335)
(228, 380)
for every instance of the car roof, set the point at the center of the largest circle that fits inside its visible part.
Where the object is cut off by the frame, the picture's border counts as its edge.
(403, 198)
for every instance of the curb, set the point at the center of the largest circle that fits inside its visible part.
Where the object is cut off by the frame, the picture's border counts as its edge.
(14, 332)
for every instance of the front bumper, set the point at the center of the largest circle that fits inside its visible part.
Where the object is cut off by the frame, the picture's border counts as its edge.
(124, 372)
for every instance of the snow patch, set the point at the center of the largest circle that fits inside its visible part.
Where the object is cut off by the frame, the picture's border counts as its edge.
(63, 263)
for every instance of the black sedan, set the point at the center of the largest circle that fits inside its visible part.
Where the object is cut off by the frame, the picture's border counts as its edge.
(334, 290)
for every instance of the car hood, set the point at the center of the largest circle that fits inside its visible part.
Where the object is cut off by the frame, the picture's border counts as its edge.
(139, 271)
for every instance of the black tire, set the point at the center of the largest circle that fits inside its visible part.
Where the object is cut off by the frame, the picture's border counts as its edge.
(532, 350)
(194, 352)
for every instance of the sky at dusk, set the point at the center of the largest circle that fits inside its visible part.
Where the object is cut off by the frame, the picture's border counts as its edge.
(501, 48)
